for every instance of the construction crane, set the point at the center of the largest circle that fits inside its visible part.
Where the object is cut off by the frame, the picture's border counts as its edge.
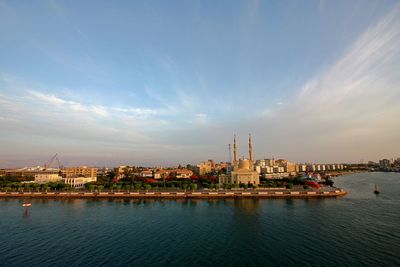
(48, 164)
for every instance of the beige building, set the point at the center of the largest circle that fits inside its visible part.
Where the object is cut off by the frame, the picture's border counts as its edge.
(243, 170)
(183, 174)
(120, 172)
(77, 177)
(205, 167)
(43, 178)
(71, 172)
(161, 174)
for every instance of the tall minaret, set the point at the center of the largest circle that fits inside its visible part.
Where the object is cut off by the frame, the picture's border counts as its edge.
(251, 152)
(235, 152)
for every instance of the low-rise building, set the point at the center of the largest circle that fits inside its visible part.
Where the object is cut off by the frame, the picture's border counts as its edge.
(43, 178)
(120, 172)
(205, 167)
(267, 169)
(183, 174)
(302, 168)
(161, 174)
(146, 174)
(79, 182)
(83, 171)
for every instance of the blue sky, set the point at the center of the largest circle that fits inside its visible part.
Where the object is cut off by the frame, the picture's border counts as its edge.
(167, 82)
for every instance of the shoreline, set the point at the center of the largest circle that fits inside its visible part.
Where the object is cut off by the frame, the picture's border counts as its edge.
(181, 194)
(342, 173)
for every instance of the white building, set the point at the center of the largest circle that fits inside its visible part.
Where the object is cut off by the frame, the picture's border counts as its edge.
(44, 178)
(146, 174)
(302, 167)
(257, 168)
(79, 182)
(260, 162)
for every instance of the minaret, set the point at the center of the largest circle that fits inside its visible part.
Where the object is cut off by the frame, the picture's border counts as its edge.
(235, 152)
(251, 152)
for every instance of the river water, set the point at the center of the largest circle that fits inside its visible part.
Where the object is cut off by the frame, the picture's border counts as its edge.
(356, 230)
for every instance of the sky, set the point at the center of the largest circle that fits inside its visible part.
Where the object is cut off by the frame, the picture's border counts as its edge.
(150, 83)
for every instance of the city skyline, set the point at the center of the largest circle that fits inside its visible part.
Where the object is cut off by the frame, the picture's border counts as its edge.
(151, 83)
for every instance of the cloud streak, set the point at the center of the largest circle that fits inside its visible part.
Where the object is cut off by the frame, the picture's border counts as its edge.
(351, 110)
(186, 111)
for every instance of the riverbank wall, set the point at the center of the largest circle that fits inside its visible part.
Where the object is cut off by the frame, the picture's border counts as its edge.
(182, 194)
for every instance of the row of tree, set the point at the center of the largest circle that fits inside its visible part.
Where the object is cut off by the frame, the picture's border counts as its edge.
(33, 187)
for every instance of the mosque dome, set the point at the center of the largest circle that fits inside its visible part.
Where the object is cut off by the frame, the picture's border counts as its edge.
(244, 164)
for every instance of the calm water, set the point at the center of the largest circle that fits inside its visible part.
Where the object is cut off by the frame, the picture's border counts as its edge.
(359, 229)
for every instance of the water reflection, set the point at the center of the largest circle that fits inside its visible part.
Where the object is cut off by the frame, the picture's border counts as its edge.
(26, 213)
(248, 206)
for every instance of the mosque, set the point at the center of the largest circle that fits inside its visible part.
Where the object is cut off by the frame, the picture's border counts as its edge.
(243, 169)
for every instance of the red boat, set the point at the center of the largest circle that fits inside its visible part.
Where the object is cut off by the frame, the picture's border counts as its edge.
(313, 184)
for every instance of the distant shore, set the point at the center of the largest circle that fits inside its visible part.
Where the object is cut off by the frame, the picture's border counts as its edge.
(341, 173)
(254, 193)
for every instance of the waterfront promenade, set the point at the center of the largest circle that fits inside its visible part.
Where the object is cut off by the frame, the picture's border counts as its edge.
(252, 193)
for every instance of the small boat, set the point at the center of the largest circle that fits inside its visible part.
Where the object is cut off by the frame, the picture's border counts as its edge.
(376, 191)
(26, 204)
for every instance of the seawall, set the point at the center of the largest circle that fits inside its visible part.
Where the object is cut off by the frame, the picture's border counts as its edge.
(182, 194)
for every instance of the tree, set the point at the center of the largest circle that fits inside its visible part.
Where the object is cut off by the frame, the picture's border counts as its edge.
(137, 186)
(193, 186)
(205, 185)
(36, 187)
(113, 187)
(147, 186)
(6, 189)
(26, 187)
(119, 186)
(91, 187)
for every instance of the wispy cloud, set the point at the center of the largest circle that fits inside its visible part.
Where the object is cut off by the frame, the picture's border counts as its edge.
(223, 80)
(350, 106)
(365, 78)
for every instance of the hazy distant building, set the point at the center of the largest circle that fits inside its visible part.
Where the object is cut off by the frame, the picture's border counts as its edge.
(260, 163)
(43, 178)
(270, 162)
(384, 163)
(30, 171)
